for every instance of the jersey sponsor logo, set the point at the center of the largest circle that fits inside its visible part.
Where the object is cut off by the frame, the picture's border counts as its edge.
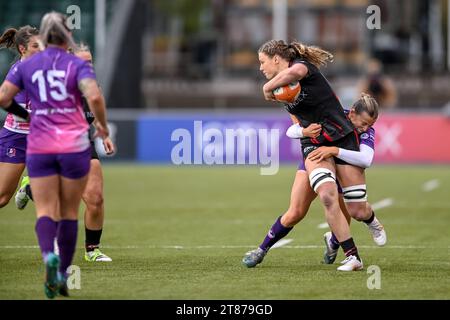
(302, 95)
(11, 152)
(309, 149)
(89, 114)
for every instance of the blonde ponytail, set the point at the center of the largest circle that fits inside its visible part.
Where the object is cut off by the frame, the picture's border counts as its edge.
(312, 54)
(367, 103)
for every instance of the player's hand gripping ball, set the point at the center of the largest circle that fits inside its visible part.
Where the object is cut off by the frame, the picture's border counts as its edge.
(288, 93)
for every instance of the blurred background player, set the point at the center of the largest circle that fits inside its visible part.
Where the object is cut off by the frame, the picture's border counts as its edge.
(93, 194)
(362, 114)
(13, 135)
(281, 64)
(58, 151)
(378, 85)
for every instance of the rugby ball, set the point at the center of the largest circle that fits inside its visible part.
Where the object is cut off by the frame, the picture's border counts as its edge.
(288, 93)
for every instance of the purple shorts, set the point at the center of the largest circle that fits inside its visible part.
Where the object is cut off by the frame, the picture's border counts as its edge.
(13, 146)
(69, 165)
(301, 165)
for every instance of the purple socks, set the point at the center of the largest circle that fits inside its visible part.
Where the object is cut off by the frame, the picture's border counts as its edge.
(67, 240)
(275, 233)
(46, 232)
(334, 242)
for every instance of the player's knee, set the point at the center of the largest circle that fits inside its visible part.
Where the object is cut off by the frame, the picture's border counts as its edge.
(357, 210)
(94, 199)
(4, 200)
(328, 197)
(5, 197)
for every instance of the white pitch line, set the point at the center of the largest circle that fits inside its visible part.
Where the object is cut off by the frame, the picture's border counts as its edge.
(383, 204)
(323, 225)
(281, 243)
(19, 247)
(234, 247)
(431, 185)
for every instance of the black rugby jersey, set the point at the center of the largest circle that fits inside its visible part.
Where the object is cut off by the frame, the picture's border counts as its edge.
(317, 103)
(89, 115)
(87, 112)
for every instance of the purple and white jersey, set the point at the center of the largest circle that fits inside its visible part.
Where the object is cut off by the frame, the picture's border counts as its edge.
(368, 138)
(51, 79)
(14, 123)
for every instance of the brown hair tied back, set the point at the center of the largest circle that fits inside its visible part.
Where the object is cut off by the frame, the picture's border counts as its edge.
(289, 52)
(15, 38)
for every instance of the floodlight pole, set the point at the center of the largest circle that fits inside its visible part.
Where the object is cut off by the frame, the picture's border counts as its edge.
(100, 27)
(280, 19)
(448, 34)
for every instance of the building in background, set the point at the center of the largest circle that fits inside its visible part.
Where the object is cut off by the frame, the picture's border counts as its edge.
(190, 54)
(206, 56)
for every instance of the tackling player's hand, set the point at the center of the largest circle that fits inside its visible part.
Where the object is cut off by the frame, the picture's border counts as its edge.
(312, 131)
(323, 153)
(109, 146)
